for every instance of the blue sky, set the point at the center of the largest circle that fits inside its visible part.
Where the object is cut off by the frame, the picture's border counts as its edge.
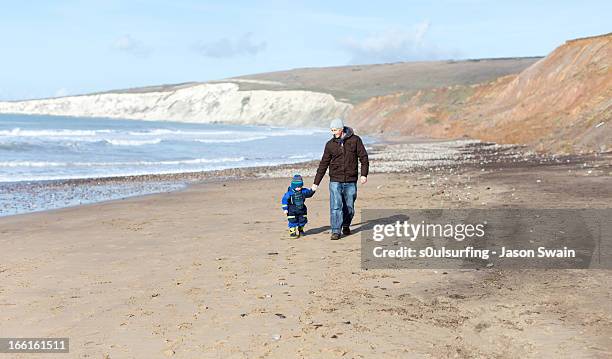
(62, 47)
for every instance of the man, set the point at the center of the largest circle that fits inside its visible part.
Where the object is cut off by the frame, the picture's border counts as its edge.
(340, 155)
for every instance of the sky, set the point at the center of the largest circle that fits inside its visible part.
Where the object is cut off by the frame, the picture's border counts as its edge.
(66, 47)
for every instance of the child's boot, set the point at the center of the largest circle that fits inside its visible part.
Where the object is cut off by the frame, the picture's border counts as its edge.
(301, 230)
(294, 232)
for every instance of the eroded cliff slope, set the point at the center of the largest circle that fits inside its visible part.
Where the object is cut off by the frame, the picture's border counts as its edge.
(562, 103)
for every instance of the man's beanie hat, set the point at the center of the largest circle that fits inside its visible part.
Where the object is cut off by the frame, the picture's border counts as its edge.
(297, 181)
(336, 123)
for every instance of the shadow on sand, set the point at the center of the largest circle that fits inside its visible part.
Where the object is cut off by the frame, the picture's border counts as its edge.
(362, 226)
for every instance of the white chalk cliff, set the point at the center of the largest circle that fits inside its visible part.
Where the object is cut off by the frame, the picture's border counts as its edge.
(200, 103)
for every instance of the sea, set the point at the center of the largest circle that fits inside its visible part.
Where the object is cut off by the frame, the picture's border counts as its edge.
(37, 152)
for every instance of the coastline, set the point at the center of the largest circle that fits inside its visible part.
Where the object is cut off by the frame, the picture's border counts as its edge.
(393, 155)
(150, 184)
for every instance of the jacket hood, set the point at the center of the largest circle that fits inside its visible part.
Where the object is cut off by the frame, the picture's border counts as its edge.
(346, 133)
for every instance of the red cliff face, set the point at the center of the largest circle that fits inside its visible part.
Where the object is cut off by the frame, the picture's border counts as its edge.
(562, 103)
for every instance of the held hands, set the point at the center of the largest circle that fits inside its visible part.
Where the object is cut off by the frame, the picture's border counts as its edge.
(286, 211)
(314, 187)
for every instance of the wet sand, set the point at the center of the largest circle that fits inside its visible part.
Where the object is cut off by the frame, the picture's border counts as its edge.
(209, 272)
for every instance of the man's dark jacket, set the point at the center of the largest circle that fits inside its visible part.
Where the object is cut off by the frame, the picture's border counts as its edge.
(341, 155)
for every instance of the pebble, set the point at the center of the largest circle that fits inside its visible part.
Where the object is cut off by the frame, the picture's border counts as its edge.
(33, 196)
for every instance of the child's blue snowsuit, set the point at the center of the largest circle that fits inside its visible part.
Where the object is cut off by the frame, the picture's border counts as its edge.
(295, 203)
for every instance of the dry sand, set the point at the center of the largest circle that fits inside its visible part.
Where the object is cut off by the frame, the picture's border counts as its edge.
(209, 272)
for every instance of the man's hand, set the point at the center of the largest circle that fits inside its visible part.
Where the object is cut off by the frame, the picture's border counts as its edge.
(314, 187)
(364, 179)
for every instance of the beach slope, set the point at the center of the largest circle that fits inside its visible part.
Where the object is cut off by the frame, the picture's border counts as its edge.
(210, 272)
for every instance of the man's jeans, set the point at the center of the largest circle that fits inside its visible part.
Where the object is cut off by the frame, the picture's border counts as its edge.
(342, 196)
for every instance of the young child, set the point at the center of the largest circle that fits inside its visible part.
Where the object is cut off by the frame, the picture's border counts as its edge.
(294, 206)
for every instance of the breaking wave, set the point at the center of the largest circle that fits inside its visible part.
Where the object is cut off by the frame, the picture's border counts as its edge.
(128, 163)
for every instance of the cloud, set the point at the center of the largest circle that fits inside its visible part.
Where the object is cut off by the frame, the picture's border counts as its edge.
(226, 47)
(127, 44)
(395, 45)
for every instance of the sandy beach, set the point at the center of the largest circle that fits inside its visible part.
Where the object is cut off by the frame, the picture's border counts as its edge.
(209, 272)
(151, 155)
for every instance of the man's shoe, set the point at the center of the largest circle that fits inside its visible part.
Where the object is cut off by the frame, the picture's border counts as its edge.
(346, 231)
(335, 236)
